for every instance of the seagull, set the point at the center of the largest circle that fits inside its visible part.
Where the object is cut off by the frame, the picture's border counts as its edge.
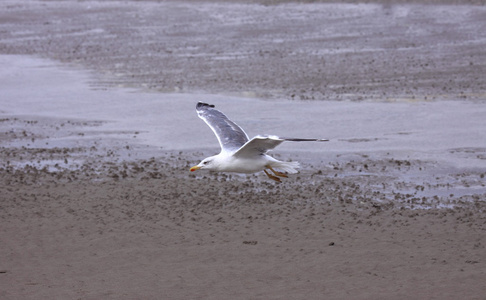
(240, 154)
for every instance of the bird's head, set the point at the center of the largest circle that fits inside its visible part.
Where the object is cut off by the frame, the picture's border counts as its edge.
(209, 163)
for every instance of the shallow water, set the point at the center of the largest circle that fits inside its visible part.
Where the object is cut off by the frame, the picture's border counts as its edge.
(419, 150)
(452, 131)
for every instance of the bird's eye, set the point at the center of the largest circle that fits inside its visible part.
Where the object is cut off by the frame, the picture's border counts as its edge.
(205, 163)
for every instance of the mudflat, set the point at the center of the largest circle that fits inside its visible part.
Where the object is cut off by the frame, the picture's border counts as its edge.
(98, 131)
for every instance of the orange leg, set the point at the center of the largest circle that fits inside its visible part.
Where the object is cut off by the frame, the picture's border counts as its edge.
(272, 177)
(277, 173)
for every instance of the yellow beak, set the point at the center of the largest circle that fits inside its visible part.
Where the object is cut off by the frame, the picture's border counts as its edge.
(195, 168)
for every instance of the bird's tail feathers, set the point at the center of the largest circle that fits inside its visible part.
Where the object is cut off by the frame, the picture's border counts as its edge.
(289, 167)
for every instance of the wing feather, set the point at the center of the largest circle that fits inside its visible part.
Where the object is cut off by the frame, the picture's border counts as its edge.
(230, 136)
(258, 146)
(261, 144)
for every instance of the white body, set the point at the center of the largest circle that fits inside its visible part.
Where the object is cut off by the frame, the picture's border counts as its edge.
(229, 163)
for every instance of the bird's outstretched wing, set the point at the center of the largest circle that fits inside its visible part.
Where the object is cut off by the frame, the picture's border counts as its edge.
(261, 144)
(230, 136)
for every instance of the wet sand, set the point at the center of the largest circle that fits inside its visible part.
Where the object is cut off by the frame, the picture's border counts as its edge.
(97, 201)
(295, 51)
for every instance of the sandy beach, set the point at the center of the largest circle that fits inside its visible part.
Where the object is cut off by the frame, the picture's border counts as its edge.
(98, 131)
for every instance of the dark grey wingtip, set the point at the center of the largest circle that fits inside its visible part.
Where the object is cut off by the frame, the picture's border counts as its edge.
(202, 104)
(305, 140)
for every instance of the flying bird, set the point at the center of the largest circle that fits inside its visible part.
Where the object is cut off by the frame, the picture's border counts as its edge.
(240, 154)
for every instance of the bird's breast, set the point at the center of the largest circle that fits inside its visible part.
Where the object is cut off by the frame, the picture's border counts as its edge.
(244, 165)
